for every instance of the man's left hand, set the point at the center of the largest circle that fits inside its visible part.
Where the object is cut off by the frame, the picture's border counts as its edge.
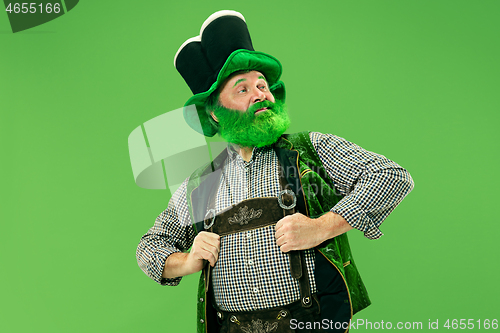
(299, 232)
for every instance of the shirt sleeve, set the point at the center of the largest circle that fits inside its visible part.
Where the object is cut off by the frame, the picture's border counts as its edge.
(371, 184)
(172, 232)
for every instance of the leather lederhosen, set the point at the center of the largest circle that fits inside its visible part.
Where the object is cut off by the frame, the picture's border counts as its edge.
(253, 214)
(283, 319)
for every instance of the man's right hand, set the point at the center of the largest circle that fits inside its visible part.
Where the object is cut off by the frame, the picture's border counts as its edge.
(206, 246)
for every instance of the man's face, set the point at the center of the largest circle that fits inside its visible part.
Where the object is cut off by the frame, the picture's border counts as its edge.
(242, 91)
(247, 112)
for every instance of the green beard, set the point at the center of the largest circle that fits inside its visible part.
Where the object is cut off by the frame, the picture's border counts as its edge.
(249, 130)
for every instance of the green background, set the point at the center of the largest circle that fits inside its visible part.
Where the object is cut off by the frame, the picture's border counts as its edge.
(417, 81)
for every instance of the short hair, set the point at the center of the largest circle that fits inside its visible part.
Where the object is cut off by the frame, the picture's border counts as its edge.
(211, 103)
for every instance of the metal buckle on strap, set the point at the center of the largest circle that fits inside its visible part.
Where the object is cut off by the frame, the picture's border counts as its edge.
(282, 314)
(235, 320)
(211, 211)
(280, 200)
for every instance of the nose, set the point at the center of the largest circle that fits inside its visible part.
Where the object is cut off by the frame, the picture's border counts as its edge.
(258, 96)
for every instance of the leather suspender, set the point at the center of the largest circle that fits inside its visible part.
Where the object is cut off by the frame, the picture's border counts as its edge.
(298, 268)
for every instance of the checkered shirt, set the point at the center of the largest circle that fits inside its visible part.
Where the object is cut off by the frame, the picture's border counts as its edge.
(251, 272)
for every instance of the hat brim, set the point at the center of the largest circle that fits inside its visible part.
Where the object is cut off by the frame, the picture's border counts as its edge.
(240, 60)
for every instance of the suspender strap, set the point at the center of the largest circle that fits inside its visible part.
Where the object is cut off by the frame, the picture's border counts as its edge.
(298, 268)
(209, 227)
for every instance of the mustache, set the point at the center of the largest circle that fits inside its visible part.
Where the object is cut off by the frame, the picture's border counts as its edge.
(260, 105)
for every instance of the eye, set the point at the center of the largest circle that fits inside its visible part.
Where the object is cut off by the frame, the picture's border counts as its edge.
(262, 86)
(242, 90)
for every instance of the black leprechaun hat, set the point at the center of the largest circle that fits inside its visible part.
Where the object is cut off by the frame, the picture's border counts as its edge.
(223, 47)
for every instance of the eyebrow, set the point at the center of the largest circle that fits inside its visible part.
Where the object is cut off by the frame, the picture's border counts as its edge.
(240, 80)
(262, 77)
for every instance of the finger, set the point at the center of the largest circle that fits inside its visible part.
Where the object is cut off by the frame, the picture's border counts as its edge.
(280, 234)
(212, 242)
(208, 236)
(280, 241)
(215, 257)
(210, 257)
(278, 225)
(212, 248)
(282, 222)
(285, 248)
(207, 241)
(202, 245)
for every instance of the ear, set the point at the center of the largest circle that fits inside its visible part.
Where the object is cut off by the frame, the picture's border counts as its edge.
(214, 117)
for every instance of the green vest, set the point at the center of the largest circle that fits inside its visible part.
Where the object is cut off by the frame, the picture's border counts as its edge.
(315, 195)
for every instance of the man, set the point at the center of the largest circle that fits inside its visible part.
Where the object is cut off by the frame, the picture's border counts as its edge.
(267, 219)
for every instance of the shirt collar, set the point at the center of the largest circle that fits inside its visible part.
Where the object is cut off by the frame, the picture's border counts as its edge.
(256, 153)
